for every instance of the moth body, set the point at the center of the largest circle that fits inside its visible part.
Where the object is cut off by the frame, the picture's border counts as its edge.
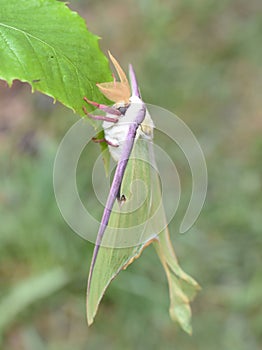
(116, 133)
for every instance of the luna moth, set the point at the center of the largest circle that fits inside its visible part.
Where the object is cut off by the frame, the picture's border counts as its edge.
(133, 219)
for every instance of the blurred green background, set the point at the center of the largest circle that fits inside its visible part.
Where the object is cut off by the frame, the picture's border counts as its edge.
(201, 60)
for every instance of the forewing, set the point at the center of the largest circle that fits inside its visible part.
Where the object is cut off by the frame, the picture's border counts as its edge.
(127, 232)
(134, 225)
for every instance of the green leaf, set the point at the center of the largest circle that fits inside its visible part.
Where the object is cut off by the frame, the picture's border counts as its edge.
(47, 45)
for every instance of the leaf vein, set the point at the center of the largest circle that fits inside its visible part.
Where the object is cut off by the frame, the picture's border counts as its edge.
(58, 52)
(12, 51)
(36, 55)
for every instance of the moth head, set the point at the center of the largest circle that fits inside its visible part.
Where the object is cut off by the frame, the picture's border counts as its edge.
(116, 91)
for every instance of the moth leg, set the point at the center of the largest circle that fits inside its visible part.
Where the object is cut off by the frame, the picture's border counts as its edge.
(100, 117)
(104, 140)
(106, 109)
(96, 140)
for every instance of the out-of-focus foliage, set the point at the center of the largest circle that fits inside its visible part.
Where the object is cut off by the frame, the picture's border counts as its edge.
(202, 60)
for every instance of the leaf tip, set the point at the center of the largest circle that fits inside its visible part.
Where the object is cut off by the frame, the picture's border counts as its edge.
(9, 82)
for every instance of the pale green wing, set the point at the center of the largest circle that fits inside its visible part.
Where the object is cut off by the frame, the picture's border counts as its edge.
(132, 227)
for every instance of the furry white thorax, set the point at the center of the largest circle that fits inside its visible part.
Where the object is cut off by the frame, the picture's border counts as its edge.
(116, 133)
